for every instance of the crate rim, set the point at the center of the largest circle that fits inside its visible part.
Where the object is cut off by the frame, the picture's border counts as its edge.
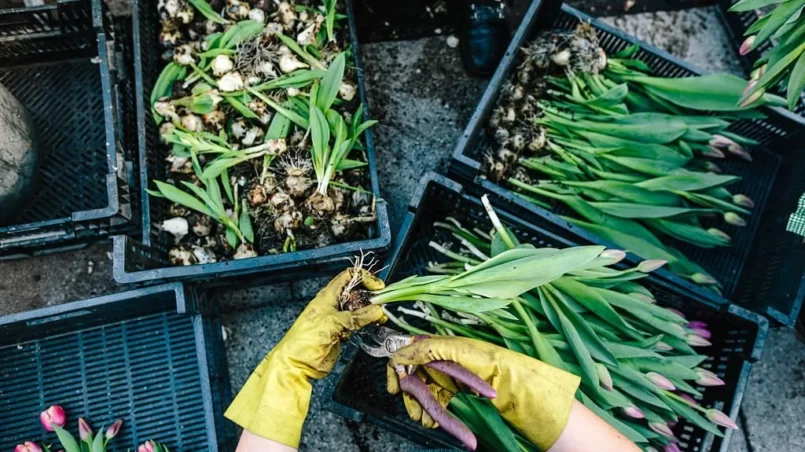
(400, 243)
(266, 263)
(468, 169)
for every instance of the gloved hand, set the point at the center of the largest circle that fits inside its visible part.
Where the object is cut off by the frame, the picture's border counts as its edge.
(274, 401)
(533, 396)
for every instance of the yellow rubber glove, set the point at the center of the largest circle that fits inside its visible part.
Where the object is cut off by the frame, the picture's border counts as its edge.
(274, 401)
(533, 396)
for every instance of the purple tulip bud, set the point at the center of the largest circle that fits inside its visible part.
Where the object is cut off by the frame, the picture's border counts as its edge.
(712, 167)
(614, 256)
(753, 98)
(697, 341)
(54, 415)
(720, 234)
(675, 311)
(643, 297)
(703, 279)
(604, 378)
(650, 265)
(720, 141)
(28, 446)
(721, 419)
(634, 412)
(740, 153)
(671, 447)
(84, 430)
(114, 429)
(663, 347)
(746, 46)
(662, 429)
(734, 219)
(707, 378)
(743, 201)
(660, 381)
(713, 152)
(701, 332)
(697, 324)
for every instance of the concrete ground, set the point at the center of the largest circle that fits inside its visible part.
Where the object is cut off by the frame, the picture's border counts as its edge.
(422, 98)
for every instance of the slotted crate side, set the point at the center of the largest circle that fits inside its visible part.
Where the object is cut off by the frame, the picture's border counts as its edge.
(358, 391)
(141, 356)
(67, 90)
(774, 159)
(736, 24)
(146, 260)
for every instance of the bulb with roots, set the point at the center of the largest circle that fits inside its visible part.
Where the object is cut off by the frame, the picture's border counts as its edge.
(353, 297)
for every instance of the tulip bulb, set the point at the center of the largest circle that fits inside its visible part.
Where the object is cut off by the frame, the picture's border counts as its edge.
(289, 63)
(347, 91)
(230, 82)
(221, 64)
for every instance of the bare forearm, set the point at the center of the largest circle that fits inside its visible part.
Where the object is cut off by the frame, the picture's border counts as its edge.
(249, 442)
(586, 432)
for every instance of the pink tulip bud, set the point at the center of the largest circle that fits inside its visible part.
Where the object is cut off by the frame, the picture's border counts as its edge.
(721, 419)
(604, 378)
(84, 430)
(113, 429)
(691, 401)
(697, 324)
(147, 446)
(713, 152)
(707, 378)
(743, 201)
(753, 98)
(643, 297)
(697, 341)
(28, 446)
(720, 234)
(650, 265)
(663, 347)
(734, 219)
(712, 167)
(54, 415)
(758, 72)
(660, 381)
(633, 412)
(662, 429)
(614, 256)
(701, 332)
(749, 87)
(671, 447)
(746, 46)
(701, 278)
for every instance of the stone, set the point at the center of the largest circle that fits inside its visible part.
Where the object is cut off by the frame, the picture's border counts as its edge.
(19, 154)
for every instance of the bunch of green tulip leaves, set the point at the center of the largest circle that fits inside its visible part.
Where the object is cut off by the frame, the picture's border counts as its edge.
(632, 155)
(569, 308)
(783, 63)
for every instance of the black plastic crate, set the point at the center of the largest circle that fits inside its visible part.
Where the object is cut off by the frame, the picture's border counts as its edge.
(152, 357)
(359, 390)
(57, 64)
(146, 260)
(764, 269)
(736, 24)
